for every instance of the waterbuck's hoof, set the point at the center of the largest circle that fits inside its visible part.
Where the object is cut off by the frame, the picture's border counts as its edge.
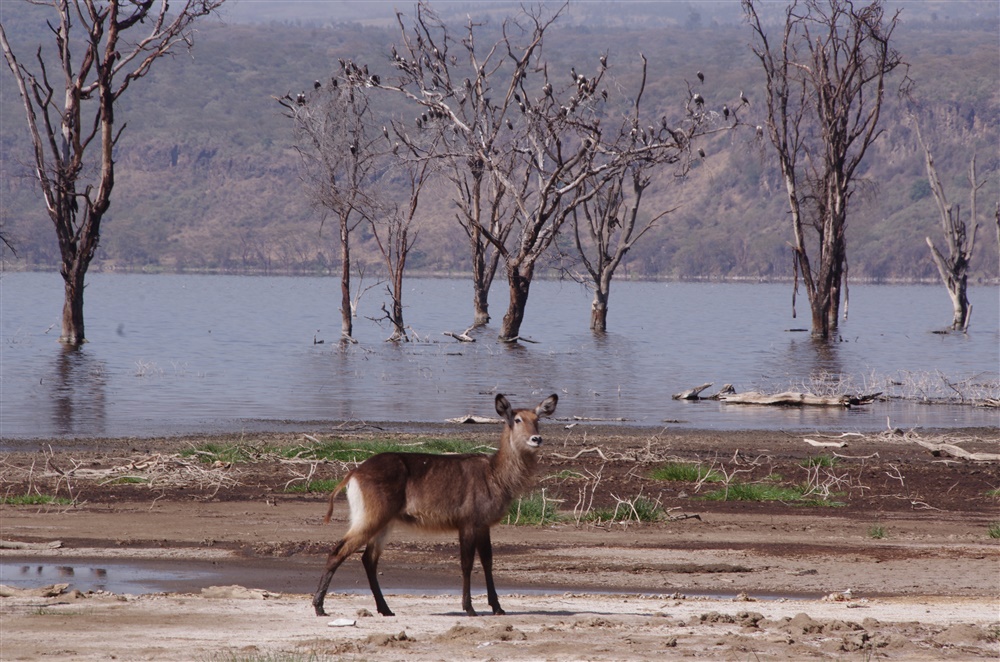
(498, 611)
(320, 612)
(386, 612)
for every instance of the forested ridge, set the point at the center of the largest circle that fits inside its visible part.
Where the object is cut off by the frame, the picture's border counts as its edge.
(207, 178)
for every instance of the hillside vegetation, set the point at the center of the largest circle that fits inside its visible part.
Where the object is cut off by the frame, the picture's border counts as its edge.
(207, 178)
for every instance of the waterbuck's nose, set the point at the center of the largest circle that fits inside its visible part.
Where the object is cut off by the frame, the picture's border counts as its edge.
(535, 440)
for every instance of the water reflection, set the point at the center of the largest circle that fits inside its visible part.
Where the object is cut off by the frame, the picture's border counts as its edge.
(77, 391)
(261, 368)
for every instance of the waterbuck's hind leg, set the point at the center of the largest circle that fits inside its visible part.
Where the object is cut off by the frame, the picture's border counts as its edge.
(485, 548)
(467, 549)
(333, 561)
(370, 560)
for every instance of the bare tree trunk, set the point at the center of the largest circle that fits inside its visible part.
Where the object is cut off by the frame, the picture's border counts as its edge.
(73, 332)
(599, 310)
(519, 282)
(346, 320)
(482, 277)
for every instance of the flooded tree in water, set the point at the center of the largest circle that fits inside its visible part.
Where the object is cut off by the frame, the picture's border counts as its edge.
(70, 88)
(339, 149)
(523, 142)
(825, 84)
(608, 224)
(404, 171)
(954, 268)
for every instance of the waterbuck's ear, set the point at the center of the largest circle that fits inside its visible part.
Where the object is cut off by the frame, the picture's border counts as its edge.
(548, 406)
(504, 409)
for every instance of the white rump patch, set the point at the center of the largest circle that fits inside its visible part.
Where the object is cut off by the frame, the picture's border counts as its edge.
(356, 501)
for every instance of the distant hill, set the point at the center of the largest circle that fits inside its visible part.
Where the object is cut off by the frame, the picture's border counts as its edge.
(207, 179)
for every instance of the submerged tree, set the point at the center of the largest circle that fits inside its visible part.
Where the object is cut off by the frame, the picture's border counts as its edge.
(954, 269)
(607, 225)
(465, 92)
(405, 170)
(338, 149)
(70, 93)
(524, 145)
(825, 85)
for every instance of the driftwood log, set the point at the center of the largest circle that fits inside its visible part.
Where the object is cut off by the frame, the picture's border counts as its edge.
(793, 398)
(461, 337)
(954, 451)
(695, 393)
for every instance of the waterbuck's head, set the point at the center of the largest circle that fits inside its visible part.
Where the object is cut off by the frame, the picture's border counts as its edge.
(522, 424)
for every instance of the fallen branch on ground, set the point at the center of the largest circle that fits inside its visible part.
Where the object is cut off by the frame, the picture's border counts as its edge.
(955, 451)
(830, 444)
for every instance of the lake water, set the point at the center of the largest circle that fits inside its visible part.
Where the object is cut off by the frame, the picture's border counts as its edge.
(175, 354)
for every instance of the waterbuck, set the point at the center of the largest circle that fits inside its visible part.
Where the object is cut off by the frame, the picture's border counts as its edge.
(468, 493)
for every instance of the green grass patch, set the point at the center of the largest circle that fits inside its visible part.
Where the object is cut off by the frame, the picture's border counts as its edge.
(824, 461)
(344, 450)
(764, 492)
(686, 472)
(532, 510)
(639, 509)
(993, 494)
(994, 530)
(325, 485)
(877, 532)
(34, 500)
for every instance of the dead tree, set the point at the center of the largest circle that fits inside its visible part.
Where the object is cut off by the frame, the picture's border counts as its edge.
(338, 148)
(954, 269)
(70, 96)
(457, 86)
(406, 167)
(825, 83)
(519, 145)
(607, 225)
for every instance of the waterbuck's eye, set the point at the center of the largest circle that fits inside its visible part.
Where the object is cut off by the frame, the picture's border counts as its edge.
(518, 420)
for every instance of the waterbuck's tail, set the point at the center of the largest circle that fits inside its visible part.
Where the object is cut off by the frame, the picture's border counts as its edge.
(333, 495)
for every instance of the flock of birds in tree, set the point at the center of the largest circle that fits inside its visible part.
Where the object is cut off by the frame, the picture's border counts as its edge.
(585, 89)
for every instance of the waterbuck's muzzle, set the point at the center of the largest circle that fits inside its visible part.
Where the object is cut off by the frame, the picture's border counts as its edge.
(535, 440)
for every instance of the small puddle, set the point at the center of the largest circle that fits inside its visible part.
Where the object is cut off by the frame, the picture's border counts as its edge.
(275, 575)
(105, 576)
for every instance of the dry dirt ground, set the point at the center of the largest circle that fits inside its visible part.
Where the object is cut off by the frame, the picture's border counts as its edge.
(903, 568)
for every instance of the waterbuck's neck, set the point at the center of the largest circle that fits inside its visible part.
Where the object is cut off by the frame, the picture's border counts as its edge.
(513, 468)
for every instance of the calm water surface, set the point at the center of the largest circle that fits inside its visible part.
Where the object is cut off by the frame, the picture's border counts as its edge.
(171, 354)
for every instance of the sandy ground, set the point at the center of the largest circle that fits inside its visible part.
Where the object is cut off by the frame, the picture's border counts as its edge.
(228, 557)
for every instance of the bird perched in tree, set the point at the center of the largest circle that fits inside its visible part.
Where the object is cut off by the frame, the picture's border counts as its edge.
(725, 111)
(316, 85)
(698, 99)
(701, 76)
(604, 61)
(743, 99)
(760, 132)
(301, 98)
(701, 152)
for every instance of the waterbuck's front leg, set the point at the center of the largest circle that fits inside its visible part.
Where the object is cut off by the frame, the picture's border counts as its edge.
(467, 550)
(485, 548)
